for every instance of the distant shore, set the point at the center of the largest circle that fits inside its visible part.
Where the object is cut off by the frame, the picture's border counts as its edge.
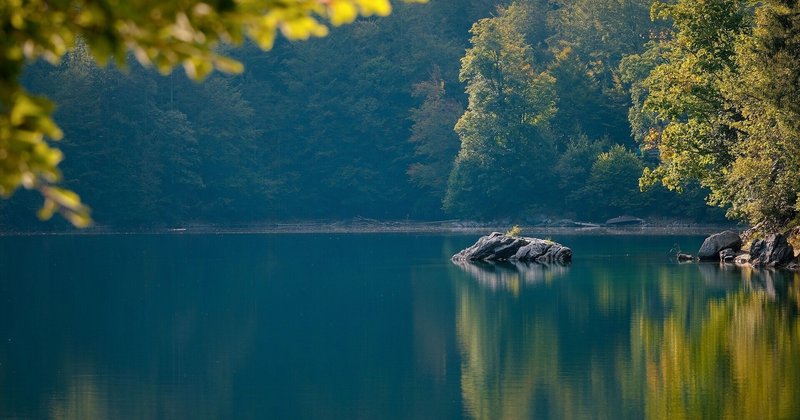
(375, 226)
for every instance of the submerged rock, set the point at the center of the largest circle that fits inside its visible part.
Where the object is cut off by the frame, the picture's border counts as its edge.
(716, 243)
(500, 247)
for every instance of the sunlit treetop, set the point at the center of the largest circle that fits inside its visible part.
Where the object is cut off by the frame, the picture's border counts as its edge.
(161, 34)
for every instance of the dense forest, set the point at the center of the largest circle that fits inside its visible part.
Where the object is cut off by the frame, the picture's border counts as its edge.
(472, 109)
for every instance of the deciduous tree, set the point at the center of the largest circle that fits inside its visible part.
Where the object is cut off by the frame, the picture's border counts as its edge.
(692, 127)
(503, 143)
(763, 182)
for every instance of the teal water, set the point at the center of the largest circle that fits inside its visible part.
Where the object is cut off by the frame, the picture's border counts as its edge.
(386, 327)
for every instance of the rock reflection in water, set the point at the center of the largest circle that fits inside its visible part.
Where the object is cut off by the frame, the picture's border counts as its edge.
(777, 284)
(508, 275)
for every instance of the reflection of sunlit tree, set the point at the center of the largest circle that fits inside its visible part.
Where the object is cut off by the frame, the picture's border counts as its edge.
(502, 368)
(513, 347)
(81, 400)
(742, 360)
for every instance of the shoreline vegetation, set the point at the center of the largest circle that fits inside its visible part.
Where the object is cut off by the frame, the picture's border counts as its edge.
(581, 108)
(364, 225)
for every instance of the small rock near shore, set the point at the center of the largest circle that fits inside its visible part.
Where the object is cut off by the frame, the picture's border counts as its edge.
(742, 259)
(727, 255)
(685, 257)
(716, 243)
(500, 247)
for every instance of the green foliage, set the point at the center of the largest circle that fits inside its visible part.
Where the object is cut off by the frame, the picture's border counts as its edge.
(163, 35)
(720, 105)
(574, 166)
(633, 72)
(514, 232)
(578, 93)
(575, 62)
(435, 142)
(503, 131)
(602, 31)
(308, 132)
(692, 133)
(613, 184)
(590, 38)
(305, 133)
(763, 182)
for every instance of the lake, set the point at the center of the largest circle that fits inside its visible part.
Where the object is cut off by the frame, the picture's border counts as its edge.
(384, 326)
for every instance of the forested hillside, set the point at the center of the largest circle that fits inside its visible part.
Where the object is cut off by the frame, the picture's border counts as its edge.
(473, 109)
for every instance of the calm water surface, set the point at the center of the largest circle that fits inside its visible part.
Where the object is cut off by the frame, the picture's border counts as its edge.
(385, 326)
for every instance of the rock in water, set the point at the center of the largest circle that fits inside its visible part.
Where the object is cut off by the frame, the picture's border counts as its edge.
(774, 251)
(727, 255)
(716, 243)
(500, 247)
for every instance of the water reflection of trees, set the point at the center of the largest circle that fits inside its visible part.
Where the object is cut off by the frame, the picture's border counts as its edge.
(511, 345)
(777, 284)
(741, 361)
(653, 342)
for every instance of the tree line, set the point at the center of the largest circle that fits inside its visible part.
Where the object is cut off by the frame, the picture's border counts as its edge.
(471, 109)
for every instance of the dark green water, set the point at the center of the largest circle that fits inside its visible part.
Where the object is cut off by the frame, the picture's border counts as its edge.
(384, 327)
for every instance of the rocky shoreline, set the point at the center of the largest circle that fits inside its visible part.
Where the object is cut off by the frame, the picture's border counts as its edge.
(774, 250)
(376, 226)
